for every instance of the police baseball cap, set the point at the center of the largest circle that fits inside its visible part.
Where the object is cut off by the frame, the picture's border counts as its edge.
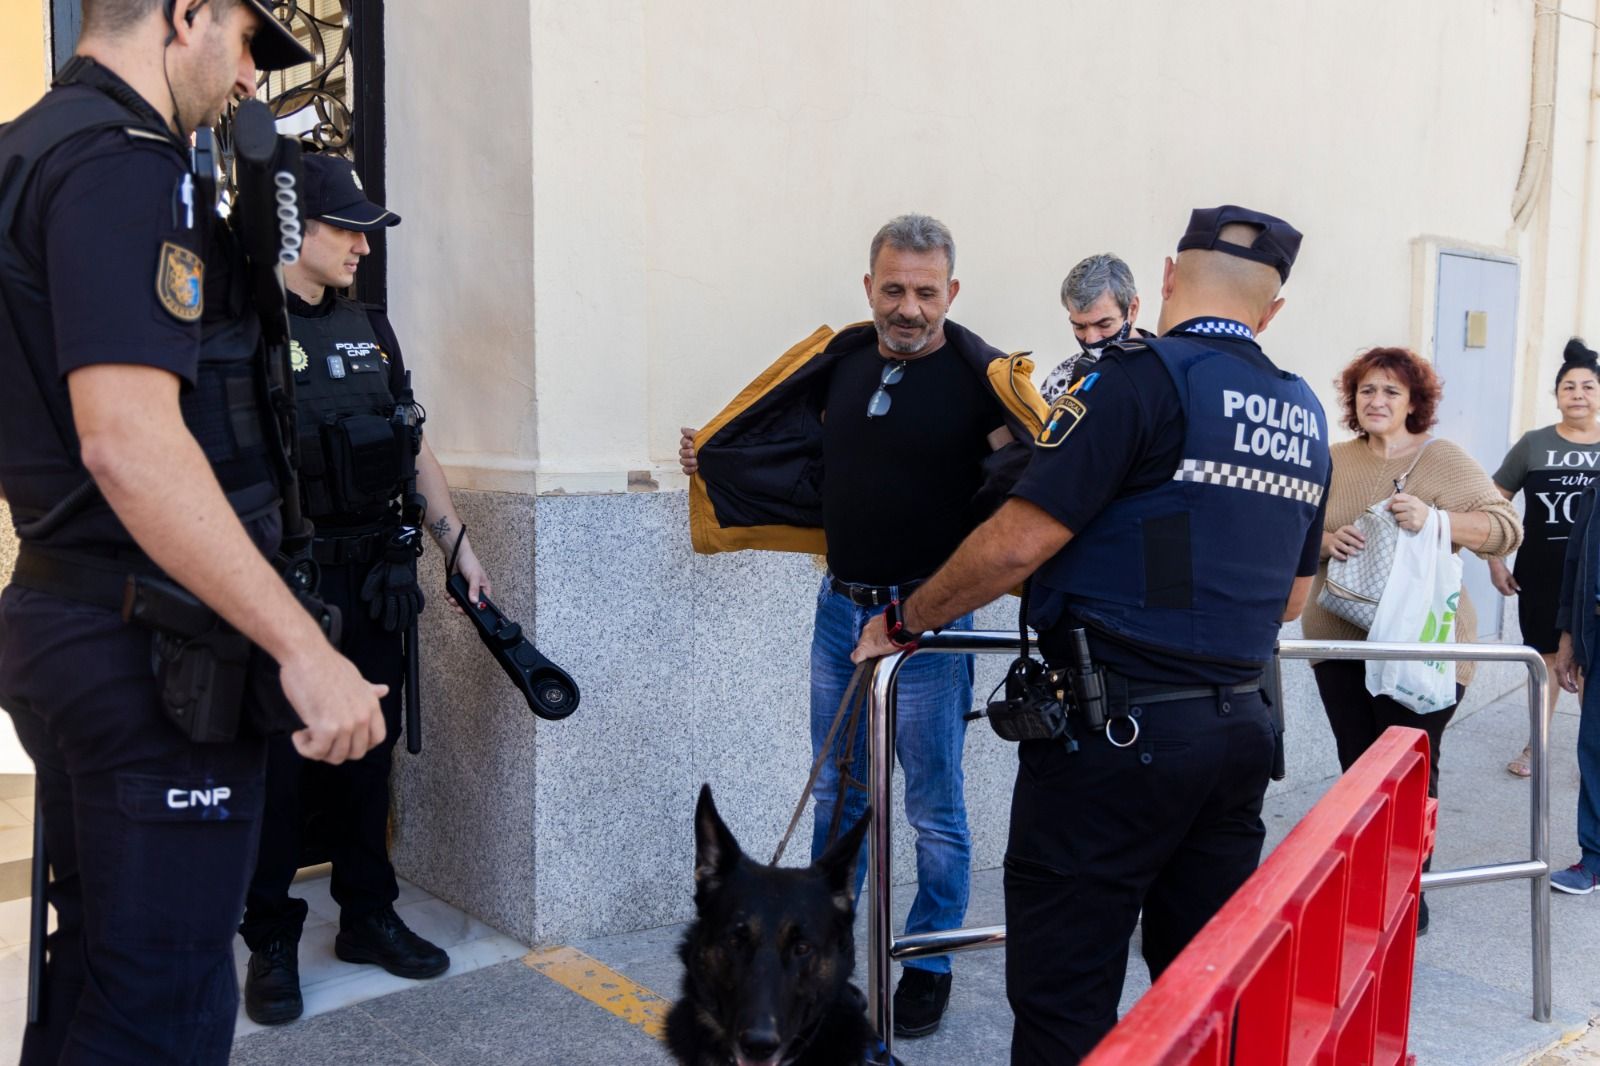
(274, 46)
(333, 194)
(1276, 243)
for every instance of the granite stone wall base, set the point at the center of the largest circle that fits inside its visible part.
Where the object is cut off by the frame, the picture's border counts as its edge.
(693, 669)
(8, 544)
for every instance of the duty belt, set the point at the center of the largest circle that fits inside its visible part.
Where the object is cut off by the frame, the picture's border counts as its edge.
(872, 595)
(348, 551)
(84, 578)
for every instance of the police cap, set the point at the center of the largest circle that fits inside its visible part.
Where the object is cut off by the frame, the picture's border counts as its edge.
(334, 195)
(274, 46)
(1276, 243)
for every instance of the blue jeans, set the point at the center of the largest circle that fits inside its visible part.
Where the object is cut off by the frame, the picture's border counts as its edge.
(1589, 772)
(934, 691)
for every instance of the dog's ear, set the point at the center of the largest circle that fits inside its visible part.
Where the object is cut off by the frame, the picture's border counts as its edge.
(838, 863)
(716, 853)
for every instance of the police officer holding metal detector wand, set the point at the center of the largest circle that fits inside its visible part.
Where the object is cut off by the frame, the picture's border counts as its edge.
(370, 483)
(1147, 792)
(135, 458)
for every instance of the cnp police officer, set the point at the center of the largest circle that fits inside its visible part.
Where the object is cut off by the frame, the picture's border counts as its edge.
(360, 440)
(132, 445)
(1172, 512)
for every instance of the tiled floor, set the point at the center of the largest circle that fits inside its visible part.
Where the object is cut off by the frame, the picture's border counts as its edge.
(16, 834)
(328, 984)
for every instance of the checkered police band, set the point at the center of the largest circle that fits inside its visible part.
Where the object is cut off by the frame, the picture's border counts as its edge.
(1224, 326)
(1244, 477)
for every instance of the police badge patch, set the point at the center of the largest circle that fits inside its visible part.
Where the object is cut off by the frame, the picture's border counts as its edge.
(1064, 418)
(179, 278)
(299, 361)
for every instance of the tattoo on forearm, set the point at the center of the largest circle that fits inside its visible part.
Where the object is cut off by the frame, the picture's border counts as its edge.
(441, 530)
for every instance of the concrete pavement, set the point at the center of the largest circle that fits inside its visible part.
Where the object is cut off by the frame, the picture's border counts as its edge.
(1471, 1002)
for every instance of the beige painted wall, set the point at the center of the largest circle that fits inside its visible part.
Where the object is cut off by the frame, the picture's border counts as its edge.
(623, 236)
(23, 43)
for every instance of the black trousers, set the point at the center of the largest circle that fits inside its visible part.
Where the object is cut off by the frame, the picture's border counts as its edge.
(150, 839)
(346, 805)
(1359, 718)
(1171, 825)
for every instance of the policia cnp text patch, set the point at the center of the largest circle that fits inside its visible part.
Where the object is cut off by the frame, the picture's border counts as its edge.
(1064, 418)
(179, 274)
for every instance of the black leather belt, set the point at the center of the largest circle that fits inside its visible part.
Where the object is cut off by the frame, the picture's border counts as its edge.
(1144, 695)
(82, 578)
(872, 595)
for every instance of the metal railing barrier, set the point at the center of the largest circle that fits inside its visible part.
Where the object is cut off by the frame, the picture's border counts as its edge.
(884, 948)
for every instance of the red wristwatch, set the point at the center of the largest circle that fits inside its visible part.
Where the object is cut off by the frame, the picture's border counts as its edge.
(895, 628)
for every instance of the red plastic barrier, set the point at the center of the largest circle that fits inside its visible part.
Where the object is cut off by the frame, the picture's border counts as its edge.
(1310, 961)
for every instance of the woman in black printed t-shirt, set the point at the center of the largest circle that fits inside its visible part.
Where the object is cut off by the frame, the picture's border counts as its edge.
(1552, 466)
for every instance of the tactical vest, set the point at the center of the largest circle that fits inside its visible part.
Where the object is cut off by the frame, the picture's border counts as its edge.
(223, 410)
(352, 455)
(1202, 565)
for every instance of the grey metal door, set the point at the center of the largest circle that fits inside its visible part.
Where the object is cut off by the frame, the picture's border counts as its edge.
(1475, 336)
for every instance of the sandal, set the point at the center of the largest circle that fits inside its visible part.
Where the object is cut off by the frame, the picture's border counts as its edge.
(1519, 767)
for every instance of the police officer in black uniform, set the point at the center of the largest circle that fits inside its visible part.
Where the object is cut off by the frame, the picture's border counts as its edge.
(133, 455)
(359, 440)
(1171, 515)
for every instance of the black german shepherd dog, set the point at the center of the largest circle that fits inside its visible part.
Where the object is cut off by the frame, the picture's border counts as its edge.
(767, 960)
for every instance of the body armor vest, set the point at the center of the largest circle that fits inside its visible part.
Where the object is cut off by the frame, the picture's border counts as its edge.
(352, 454)
(223, 410)
(1202, 564)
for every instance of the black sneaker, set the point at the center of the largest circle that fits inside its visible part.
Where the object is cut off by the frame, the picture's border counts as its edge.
(382, 939)
(919, 1001)
(272, 983)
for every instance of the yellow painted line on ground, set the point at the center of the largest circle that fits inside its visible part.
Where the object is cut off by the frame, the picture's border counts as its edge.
(602, 986)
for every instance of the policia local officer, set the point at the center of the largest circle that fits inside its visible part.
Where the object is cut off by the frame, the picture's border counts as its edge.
(350, 384)
(127, 351)
(1130, 518)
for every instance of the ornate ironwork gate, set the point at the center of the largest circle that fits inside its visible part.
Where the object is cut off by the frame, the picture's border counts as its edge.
(335, 102)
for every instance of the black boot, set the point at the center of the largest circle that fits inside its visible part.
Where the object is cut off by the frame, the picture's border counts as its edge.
(919, 1001)
(382, 939)
(272, 982)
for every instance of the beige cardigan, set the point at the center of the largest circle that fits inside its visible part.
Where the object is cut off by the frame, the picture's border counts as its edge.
(1446, 477)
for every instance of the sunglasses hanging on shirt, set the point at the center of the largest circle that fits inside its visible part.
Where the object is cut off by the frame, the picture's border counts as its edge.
(878, 404)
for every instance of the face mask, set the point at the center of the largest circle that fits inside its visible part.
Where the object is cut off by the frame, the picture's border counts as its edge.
(1095, 350)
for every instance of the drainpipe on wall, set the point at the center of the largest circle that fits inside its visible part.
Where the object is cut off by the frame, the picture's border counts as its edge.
(1530, 206)
(1585, 237)
(1541, 114)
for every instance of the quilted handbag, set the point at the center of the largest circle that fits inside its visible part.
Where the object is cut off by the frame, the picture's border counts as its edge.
(1354, 585)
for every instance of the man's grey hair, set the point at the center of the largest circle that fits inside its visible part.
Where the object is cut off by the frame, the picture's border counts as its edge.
(914, 233)
(1096, 275)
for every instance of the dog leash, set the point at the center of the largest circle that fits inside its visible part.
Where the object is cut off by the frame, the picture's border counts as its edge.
(849, 709)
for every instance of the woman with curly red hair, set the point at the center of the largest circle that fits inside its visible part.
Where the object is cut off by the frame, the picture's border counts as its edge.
(1391, 400)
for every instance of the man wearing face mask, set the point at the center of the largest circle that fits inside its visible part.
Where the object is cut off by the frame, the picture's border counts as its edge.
(1103, 307)
(355, 466)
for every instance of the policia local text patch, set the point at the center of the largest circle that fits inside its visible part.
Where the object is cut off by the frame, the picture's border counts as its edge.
(1064, 418)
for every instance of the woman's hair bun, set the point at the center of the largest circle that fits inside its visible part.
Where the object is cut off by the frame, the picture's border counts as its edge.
(1577, 352)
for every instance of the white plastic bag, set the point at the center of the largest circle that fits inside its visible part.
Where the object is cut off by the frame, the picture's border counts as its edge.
(1418, 605)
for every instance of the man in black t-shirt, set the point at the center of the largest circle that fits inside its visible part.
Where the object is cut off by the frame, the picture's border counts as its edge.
(908, 421)
(131, 447)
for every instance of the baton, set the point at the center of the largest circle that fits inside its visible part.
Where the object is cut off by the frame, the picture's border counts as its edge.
(38, 918)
